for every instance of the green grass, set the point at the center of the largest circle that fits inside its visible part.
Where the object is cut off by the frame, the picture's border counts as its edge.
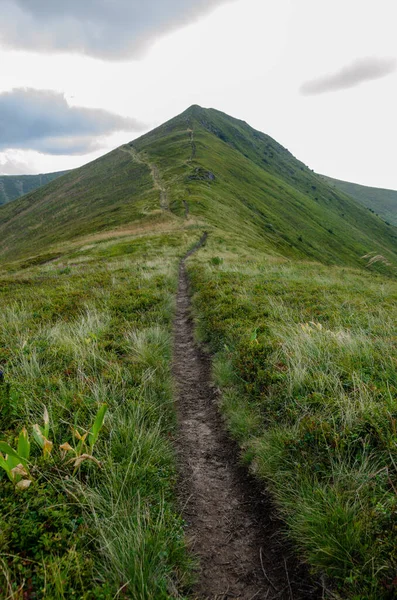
(15, 186)
(306, 359)
(378, 201)
(245, 185)
(75, 335)
(234, 179)
(296, 295)
(106, 194)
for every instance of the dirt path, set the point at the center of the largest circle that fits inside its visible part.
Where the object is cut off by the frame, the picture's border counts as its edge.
(189, 161)
(192, 144)
(230, 522)
(157, 181)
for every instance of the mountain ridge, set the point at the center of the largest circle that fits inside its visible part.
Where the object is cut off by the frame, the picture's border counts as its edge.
(222, 172)
(13, 187)
(381, 201)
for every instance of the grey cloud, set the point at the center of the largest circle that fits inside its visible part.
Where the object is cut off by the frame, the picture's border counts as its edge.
(366, 69)
(42, 120)
(113, 30)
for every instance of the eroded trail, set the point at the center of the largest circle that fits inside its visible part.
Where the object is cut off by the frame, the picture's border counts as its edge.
(157, 180)
(229, 520)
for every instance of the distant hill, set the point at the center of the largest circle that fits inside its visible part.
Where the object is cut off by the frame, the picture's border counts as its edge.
(15, 186)
(215, 170)
(380, 201)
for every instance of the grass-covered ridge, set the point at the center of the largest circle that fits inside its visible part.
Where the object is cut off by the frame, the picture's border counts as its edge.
(14, 186)
(379, 201)
(306, 359)
(241, 181)
(219, 171)
(106, 194)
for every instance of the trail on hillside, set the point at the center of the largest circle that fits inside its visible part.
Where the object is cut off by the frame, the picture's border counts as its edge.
(192, 144)
(158, 183)
(157, 180)
(230, 522)
(189, 161)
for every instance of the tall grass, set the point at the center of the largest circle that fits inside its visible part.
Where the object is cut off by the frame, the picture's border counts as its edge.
(98, 334)
(307, 361)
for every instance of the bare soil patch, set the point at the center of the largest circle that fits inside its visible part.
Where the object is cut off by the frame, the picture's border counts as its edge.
(231, 523)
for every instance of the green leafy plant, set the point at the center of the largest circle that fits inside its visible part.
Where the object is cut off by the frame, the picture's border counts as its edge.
(15, 462)
(83, 450)
(41, 435)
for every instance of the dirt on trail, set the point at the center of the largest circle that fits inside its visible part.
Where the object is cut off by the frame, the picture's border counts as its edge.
(157, 181)
(231, 524)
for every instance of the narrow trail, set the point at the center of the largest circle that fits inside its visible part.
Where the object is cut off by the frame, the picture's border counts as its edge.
(157, 181)
(189, 161)
(193, 145)
(230, 522)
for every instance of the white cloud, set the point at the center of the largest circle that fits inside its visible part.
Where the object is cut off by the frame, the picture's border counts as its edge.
(13, 164)
(356, 73)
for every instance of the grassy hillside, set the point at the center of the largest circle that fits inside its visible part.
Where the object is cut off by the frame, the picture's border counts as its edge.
(302, 331)
(15, 186)
(82, 332)
(242, 181)
(221, 171)
(379, 201)
(111, 191)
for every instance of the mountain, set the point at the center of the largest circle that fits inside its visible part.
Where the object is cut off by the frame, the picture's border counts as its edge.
(216, 170)
(14, 186)
(379, 201)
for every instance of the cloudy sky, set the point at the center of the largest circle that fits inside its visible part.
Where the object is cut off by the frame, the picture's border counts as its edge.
(84, 76)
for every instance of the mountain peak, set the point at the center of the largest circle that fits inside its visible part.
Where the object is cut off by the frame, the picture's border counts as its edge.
(209, 167)
(194, 110)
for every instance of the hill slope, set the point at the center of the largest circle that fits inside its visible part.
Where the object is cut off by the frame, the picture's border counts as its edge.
(304, 362)
(244, 182)
(383, 202)
(218, 170)
(15, 186)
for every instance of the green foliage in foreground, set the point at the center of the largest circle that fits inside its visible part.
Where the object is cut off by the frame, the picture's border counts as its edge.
(306, 358)
(74, 336)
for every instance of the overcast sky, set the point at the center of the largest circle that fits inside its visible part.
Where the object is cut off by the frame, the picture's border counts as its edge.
(84, 76)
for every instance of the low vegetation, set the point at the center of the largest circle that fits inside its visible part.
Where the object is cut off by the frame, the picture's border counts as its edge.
(305, 356)
(87, 414)
(382, 203)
